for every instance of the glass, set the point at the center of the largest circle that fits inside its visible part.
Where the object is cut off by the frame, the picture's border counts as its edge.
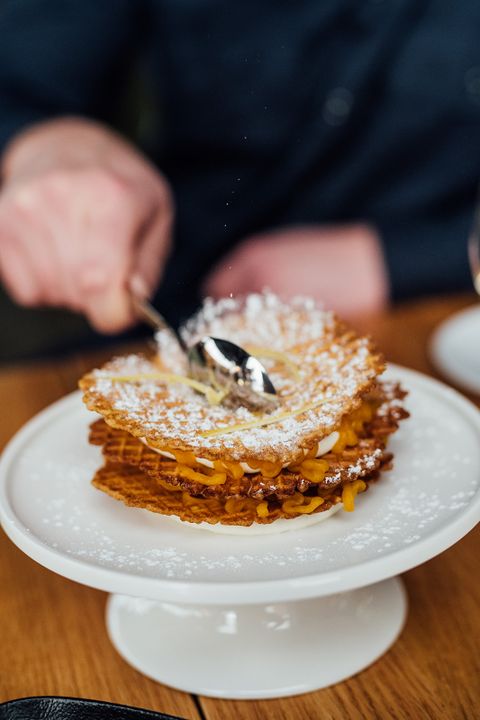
(474, 248)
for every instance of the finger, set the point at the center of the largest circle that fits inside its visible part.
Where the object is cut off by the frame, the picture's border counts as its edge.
(104, 274)
(106, 300)
(88, 218)
(153, 246)
(63, 261)
(103, 263)
(110, 311)
(17, 276)
(40, 250)
(25, 236)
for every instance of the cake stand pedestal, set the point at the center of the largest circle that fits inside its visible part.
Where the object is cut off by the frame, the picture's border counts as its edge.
(258, 651)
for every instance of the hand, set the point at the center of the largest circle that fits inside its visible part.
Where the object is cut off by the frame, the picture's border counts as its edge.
(81, 213)
(341, 266)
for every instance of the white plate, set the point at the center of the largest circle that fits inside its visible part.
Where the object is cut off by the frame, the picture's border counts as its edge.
(455, 349)
(429, 501)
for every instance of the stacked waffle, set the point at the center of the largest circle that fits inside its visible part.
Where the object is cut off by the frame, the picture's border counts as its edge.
(174, 449)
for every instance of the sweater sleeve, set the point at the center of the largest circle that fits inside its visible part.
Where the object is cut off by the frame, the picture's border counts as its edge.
(428, 256)
(62, 57)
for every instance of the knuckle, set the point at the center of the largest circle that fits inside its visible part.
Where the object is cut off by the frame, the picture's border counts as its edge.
(119, 209)
(110, 187)
(93, 276)
(20, 202)
(25, 295)
(57, 182)
(105, 186)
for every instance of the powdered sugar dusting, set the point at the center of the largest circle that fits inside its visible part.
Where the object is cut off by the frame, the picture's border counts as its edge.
(260, 319)
(334, 368)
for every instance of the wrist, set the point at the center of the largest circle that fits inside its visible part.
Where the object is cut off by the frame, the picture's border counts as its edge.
(366, 254)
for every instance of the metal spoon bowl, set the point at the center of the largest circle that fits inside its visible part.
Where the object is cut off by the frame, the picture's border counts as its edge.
(219, 363)
(223, 364)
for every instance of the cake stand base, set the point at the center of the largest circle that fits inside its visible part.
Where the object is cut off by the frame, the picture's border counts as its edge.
(258, 651)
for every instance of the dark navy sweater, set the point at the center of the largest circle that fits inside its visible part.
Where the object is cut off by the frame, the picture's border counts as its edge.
(274, 112)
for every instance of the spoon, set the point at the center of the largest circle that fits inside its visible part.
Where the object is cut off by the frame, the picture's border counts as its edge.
(217, 362)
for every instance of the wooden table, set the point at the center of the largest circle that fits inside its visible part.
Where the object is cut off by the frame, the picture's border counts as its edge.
(52, 631)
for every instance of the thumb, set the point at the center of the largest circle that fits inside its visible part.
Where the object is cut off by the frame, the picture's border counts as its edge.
(152, 253)
(105, 298)
(109, 305)
(110, 310)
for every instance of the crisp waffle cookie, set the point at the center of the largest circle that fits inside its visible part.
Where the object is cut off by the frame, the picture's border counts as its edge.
(136, 489)
(348, 465)
(167, 448)
(326, 369)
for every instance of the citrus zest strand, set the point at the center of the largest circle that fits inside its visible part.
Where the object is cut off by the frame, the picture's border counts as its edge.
(261, 422)
(213, 396)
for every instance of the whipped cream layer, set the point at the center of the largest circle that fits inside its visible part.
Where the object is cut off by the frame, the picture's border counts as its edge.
(274, 528)
(323, 447)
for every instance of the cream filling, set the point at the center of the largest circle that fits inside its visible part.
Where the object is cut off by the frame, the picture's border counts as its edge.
(323, 447)
(274, 528)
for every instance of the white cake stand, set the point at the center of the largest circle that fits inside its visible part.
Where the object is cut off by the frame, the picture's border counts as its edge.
(248, 617)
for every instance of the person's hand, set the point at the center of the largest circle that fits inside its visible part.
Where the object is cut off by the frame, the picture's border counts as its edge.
(81, 214)
(342, 266)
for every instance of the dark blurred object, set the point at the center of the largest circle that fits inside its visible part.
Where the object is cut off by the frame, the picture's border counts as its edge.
(29, 333)
(58, 708)
(26, 333)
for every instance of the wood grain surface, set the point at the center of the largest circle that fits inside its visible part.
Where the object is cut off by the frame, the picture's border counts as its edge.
(52, 631)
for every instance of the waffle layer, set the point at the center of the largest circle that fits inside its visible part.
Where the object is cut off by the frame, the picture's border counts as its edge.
(134, 488)
(325, 372)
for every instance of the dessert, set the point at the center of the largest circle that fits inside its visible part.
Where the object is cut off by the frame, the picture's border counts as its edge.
(176, 447)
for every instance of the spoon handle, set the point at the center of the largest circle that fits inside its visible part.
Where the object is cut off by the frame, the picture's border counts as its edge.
(152, 317)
